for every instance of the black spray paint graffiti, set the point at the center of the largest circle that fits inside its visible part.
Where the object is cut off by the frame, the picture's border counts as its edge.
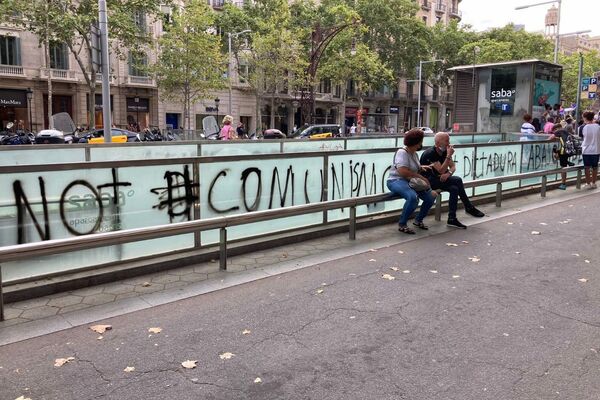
(24, 207)
(363, 181)
(279, 193)
(170, 197)
(492, 163)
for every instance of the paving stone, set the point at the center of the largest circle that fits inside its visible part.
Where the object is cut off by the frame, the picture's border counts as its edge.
(235, 267)
(66, 300)
(176, 284)
(10, 313)
(100, 298)
(206, 268)
(127, 295)
(40, 312)
(217, 275)
(155, 287)
(195, 277)
(11, 322)
(117, 288)
(182, 271)
(29, 304)
(88, 291)
(138, 280)
(165, 279)
(74, 307)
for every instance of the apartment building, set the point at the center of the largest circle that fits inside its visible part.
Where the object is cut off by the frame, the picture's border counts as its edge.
(24, 84)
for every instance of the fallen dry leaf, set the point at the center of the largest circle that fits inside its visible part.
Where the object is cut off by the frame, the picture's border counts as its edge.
(510, 223)
(575, 254)
(226, 356)
(455, 276)
(388, 277)
(451, 245)
(517, 252)
(400, 252)
(189, 364)
(406, 271)
(146, 284)
(101, 328)
(23, 398)
(394, 268)
(100, 337)
(372, 250)
(129, 369)
(465, 242)
(535, 233)
(583, 280)
(320, 291)
(155, 330)
(433, 271)
(505, 334)
(587, 261)
(372, 260)
(59, 362)
(258, 380)
(543, 224)
(284, 255)
(474, 259)
(246, 332)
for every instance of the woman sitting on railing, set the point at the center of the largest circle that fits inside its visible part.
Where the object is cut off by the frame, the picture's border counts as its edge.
(405, 181)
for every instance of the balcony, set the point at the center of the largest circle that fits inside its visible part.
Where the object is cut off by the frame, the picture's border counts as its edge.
(59, 74)
(139, 81)
(99, 78)
(425, 5)
(440, 7)
(12, 70)
(455, 13)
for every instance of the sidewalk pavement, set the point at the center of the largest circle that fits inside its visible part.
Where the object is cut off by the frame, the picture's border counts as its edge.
(64, 310)
(507, 309)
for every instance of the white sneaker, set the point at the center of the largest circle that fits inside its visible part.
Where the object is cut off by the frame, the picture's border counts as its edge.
(594, 186)
(589, 186)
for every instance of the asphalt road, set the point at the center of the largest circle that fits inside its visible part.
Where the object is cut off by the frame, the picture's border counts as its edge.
(517, 324)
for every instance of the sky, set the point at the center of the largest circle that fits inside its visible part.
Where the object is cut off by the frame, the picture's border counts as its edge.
(576, 15)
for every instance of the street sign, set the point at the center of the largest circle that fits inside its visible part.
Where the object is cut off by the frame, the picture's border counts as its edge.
(590, 89)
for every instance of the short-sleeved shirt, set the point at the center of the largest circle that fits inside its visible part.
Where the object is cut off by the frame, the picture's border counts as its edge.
(591, 139)
(431, 156)
(404, 159)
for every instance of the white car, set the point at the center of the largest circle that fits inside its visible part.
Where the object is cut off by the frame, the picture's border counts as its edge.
(426, 130)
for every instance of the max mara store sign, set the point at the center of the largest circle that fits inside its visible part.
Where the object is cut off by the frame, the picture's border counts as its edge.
(13, 98)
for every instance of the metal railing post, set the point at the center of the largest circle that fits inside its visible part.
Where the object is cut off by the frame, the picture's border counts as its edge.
(438, 207)
(1, 297)
(223, 249)
(578, 185)
(498, 194)
(544, 184)
(352, 221)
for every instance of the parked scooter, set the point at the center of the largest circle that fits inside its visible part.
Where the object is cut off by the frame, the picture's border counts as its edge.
(16, 137)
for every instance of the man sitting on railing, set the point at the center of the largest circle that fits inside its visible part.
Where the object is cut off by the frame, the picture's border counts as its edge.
(441, 177)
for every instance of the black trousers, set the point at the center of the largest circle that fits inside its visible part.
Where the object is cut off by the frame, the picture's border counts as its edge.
(454, 186)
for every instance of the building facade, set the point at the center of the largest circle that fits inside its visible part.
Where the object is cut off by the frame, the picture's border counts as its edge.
(136, 102)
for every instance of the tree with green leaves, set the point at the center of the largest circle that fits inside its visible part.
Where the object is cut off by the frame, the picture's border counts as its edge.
(190, 64)
(74, 22)
(591, 65)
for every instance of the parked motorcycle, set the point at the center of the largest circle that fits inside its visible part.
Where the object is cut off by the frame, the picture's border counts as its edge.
(19, 136)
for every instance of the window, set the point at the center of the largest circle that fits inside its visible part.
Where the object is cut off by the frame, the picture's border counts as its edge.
(10, 50)
(139, 18)
(59, 56)
(425, 19)
(138, 64)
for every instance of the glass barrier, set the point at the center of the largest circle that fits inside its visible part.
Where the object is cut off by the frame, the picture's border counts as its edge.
(51, 204)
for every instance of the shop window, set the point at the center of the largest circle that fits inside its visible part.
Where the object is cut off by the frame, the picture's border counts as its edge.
(59, 56)
(138, 64)
(10, 50)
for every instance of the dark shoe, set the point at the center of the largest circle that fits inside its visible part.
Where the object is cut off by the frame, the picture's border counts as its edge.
(474, 212)
(455, 223)
(420, 225)
(405, 229)
(570, 164)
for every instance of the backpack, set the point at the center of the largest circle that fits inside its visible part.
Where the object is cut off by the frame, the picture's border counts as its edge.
(570, 147)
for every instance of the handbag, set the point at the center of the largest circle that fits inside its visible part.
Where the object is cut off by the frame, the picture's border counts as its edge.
(418, 184)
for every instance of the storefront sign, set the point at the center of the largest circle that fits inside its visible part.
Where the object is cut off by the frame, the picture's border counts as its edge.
(13, 98)
(503, 91)
(141, 105)
(394, 110)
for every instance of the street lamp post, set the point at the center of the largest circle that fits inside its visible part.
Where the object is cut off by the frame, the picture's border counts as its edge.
(217, 101)
(106, 117)
(556, 39)
(229, 37)
(421, 63)
(29, 97)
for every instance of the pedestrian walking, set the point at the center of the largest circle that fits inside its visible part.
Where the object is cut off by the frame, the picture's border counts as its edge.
(549, 125)
(241, 131)
(590, 149)
(406, 181)
(353, 130)
(227, 132)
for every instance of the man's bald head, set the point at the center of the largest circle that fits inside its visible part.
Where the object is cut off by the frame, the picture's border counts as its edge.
(442, 139)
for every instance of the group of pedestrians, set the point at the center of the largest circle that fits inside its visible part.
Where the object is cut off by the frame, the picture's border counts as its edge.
(413, 178)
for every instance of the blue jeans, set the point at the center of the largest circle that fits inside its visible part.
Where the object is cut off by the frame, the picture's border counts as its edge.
(400, 187)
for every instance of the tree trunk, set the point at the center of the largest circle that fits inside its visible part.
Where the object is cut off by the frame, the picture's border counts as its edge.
(49, 79)
(342, 116)
(360, 109)
(272, 119)
(258, 114)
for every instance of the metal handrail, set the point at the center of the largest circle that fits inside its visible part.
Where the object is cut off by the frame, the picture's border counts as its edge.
(56, 246)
